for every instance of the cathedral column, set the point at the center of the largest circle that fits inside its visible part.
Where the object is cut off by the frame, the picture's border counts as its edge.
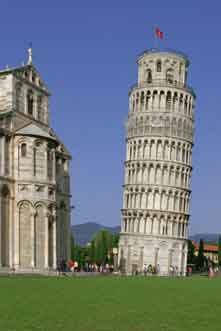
(0, 231)
(33, 240)
(3, 155)
(54, 243)
(11, 232)
(16, 240)
(46, 240)
(68, 239)
(47, 160)
(54, 166)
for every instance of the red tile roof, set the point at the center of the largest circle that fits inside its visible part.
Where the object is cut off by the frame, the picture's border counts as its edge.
(207, 247)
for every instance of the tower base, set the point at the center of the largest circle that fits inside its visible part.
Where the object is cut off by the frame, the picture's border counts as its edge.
(165, 255)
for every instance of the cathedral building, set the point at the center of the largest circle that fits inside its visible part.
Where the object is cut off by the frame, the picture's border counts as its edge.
(34, 176)
(158, 165)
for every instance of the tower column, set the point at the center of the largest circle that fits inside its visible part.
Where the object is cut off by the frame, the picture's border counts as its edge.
(3, 155)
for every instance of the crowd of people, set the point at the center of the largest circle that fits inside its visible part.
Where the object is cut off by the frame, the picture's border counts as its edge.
(73, 266)
(148, 270)
(155, 270)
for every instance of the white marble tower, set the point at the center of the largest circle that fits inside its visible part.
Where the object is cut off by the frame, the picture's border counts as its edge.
(158, 165)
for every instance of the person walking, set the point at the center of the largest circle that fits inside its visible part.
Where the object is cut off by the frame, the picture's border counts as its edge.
(210, 272)
(145, 269)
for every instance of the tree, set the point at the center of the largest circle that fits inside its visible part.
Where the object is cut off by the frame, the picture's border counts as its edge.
(92, 251)
(101, 247)
(191, 253)
(219, 251)
(72, 247)
(115, 240)
(200, 258)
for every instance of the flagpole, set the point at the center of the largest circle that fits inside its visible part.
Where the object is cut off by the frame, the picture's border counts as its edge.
(155, 40)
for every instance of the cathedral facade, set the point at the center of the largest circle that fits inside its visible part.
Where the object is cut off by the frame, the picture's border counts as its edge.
(34, 176)
(158, 165)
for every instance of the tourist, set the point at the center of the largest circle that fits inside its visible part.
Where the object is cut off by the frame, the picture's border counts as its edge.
(158, 269)
(145, 269)
(75, 266)
(150, 269)
(171, 270)
(71, 265)
(210, 272)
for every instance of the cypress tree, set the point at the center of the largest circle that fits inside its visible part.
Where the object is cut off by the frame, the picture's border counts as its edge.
(191, 253)
(219, 251)
(200, 257)
(72, 247)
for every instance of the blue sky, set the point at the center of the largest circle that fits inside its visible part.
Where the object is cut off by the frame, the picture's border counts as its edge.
(86, 52)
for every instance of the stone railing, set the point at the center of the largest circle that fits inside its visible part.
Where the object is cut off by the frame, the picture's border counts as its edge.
(162, 83)
(159, 131)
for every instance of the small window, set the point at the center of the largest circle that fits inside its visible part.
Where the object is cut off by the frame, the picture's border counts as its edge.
(149, 76)
(30, 103)
(159, 66)
(23, 150)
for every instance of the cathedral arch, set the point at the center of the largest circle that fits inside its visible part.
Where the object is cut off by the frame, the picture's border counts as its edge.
(25, 238)
(40, 228)
(23, 150)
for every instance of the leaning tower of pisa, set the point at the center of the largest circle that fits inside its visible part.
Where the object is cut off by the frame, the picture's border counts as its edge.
(158, 165)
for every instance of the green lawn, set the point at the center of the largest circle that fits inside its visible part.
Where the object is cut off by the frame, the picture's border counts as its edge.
(124, 304)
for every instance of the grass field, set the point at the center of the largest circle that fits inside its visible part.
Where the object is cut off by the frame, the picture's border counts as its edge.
(126, 304)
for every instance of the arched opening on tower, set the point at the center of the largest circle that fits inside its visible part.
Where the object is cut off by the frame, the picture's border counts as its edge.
(170, 76)
(149, 76)
(159, 65)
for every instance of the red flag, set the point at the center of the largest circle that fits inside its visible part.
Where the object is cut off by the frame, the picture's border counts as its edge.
(159, 33)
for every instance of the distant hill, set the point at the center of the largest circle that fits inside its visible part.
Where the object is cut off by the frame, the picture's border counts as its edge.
(208, 237)
(83, 233)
